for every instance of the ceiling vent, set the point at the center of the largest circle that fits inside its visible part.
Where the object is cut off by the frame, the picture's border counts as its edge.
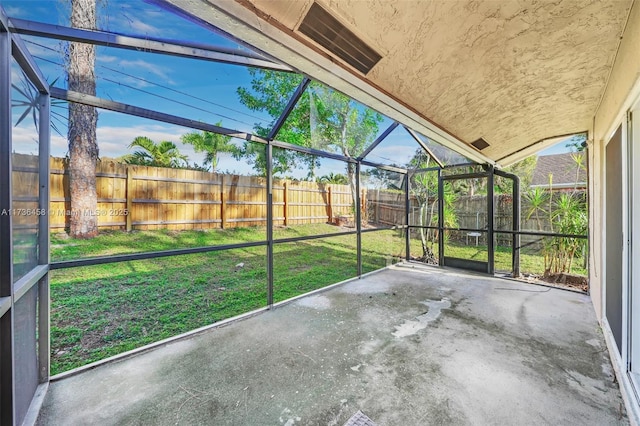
(321, 27)
(480, 144)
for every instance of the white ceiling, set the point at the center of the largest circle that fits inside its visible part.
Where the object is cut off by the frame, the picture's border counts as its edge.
(511, 72)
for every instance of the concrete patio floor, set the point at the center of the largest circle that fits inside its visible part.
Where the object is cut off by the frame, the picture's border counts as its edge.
(410, 345)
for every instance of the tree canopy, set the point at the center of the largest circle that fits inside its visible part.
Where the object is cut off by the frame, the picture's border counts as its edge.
(322, 119)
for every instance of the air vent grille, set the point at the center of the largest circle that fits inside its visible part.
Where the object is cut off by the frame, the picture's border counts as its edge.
(480, 144)
(321, 27)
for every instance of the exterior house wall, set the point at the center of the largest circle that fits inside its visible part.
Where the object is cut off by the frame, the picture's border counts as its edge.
(620, 93)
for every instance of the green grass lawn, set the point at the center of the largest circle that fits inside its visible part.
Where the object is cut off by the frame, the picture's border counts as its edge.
(102, 310)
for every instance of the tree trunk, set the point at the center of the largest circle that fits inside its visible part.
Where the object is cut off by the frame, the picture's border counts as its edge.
(83, 147)
(423, 240)
(351, 168)
(351, 177)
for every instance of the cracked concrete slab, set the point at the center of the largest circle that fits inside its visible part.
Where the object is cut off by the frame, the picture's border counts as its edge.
(491, 351)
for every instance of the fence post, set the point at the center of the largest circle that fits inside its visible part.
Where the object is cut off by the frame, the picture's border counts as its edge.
(329, 205)
(223, 204)
(286, 203)
(363, 211)
(128, 196)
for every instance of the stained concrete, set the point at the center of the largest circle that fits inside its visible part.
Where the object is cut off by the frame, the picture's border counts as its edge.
(406, 346)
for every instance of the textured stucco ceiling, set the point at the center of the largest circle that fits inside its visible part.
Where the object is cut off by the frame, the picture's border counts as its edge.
(512, 72)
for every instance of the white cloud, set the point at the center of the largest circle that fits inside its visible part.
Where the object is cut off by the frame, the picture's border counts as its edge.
(14, 11)
(157, 70)
(138, 67)
(399, 155)
(145, 28)
(59, 145)
(108, 58)
(24, 140)
(125, 16)
(114, 141)
(46, 48)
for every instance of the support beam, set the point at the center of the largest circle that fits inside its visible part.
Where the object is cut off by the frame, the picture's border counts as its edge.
(6, 202)
(290, 106)
(101, 260)
(378, 140)
(44, 340)
(358, 217)
(147, 44)
(424, 146)
(440, 218)
(515, 243)
(28, 65)
(7, 373)
(182, 13)
(383, 167)
(407, 214)
(311, 151)
(4, 21)
(81, 98)
(515, 236)
(269, 226)
(491, 254)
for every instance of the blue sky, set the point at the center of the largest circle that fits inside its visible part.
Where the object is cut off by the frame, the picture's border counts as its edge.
(198, 90)
(559, 148)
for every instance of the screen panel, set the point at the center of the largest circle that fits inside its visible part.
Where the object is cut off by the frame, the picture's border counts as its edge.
(26, 350)
(303, 266)
(26, 211)
(103, 310)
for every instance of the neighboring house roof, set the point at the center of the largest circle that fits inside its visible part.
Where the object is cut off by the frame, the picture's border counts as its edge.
(564, 169)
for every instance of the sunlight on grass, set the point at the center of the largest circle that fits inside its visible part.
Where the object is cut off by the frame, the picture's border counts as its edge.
(103, 310)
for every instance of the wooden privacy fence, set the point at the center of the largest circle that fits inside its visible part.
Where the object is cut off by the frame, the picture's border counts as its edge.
(147, 198)
(385, 207)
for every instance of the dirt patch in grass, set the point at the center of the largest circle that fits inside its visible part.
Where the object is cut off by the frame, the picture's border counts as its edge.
(563, 280)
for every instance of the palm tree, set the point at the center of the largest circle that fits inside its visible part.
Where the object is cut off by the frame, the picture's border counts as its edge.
(537, 199)
(163, 154)
(334, 178)
(210, 143)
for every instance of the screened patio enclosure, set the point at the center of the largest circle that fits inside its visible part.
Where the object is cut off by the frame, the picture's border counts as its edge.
(399, 201)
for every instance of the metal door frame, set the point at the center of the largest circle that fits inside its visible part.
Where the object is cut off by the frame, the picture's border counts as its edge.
(477, 266)
(12, 410)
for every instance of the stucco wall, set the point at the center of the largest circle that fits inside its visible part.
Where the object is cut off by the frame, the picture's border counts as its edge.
(626, 71)
(616, 100)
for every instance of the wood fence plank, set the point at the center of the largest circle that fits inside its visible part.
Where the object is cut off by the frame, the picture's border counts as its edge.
(129, 189)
